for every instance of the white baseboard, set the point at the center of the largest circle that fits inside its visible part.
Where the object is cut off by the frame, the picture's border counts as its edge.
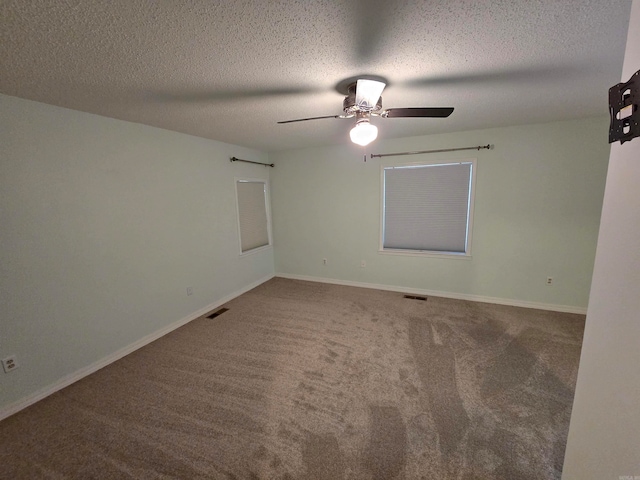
(88, 370)
(436, 293)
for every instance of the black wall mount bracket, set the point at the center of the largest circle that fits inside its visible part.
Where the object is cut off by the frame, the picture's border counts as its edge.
(624, 111)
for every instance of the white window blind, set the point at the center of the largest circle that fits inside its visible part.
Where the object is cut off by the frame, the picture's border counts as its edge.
(252, 214)
(427, 207)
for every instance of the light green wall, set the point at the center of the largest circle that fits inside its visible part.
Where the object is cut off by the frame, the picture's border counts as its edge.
(537, 208)
(103, 225)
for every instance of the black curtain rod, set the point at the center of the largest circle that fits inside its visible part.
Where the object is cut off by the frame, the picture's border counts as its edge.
(480, 147)
(234, 159)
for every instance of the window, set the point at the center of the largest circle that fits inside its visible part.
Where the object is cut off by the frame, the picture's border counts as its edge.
(253, 214)
(428, 208)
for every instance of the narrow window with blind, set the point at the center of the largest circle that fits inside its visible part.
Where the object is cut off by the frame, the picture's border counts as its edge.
(428, 208)
(253, 215)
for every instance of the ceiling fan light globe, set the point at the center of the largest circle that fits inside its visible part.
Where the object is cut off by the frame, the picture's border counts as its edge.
(363, 133)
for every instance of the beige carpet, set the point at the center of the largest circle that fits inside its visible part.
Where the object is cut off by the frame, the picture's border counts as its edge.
(302, 380)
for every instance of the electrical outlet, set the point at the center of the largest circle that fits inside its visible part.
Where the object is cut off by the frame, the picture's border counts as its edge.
(363, 264)
(10, 363)
(189, 290)
(549, 280)
(324, 261)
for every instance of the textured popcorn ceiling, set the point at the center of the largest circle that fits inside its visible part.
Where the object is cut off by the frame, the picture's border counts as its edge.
(228, 70)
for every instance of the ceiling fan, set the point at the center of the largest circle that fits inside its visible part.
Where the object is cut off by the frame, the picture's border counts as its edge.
(364, 101)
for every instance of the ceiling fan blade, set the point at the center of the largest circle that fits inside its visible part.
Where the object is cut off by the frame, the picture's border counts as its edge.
(430, 112)
(312, 118)
(368, 93)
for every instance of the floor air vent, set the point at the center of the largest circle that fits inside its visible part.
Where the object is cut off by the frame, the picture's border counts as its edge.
(218, 313)
(416, 297)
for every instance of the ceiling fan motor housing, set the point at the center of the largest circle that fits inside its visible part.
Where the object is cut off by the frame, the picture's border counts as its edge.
(351, 108)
